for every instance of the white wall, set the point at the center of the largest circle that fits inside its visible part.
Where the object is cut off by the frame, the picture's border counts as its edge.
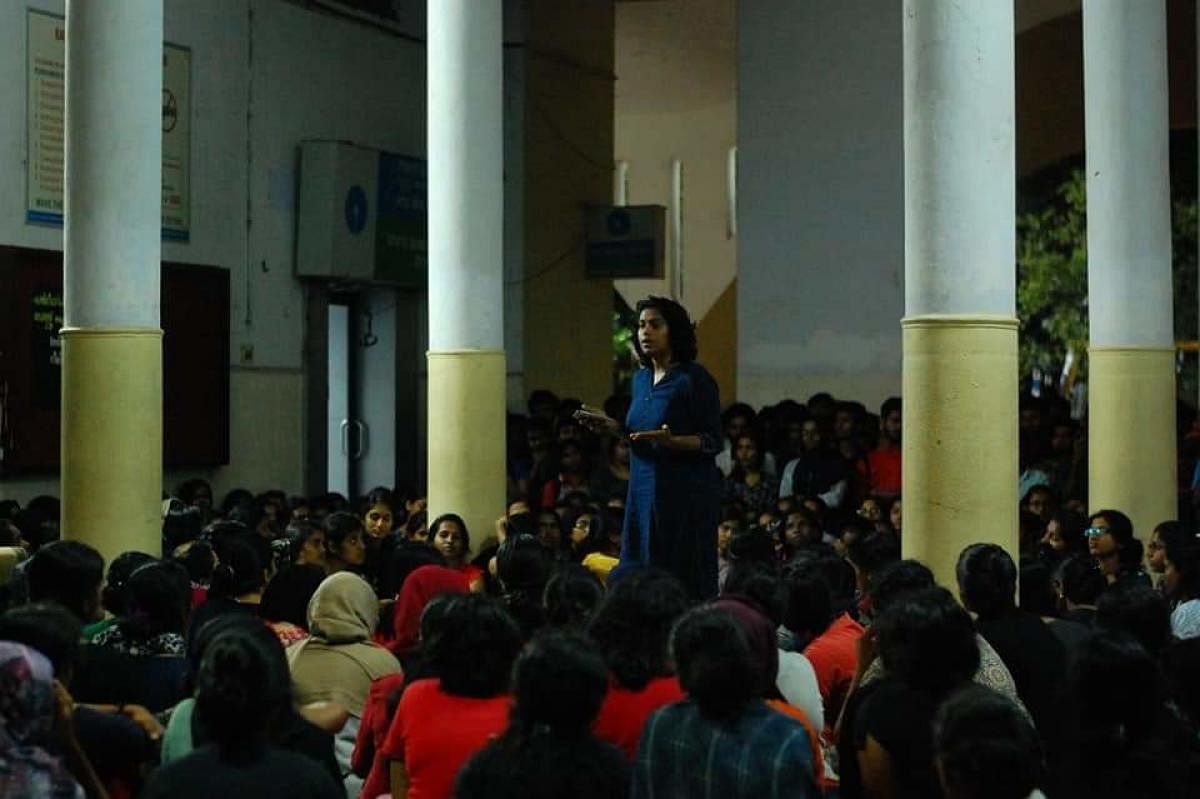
(820, 197)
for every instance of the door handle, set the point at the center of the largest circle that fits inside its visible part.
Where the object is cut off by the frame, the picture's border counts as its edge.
(345, 427)
(362, 438)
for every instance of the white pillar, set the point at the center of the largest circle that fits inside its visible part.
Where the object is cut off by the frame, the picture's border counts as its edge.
(112, 343)
(466, 261)
(960, 331)
(1131, 365)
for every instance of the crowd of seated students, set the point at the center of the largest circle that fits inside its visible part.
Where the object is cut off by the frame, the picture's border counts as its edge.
(287, 646)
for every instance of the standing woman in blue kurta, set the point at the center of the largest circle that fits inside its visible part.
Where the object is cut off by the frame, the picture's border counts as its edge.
(674, 423)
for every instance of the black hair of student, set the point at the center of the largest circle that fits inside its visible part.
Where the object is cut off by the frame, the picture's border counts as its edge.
(339, 526)
(633, 625)
(1071, 526)
(189, 489)
(1181, 663)
(761, 583)
(239, 570)
(198, 560)
(50, 629)
(873, 551)
(249, 514)
(752, 544)
(1119, 688)
(473, 646)
(287, 595)
(9, 508)
(240, 691)
(112, 595)
(714, 662)
(897, 579)
(985, 747)
(681, 332)
(69, 573)
(541, 396)
(522, 567)
(808, 600)
(157, 599)
(736, 410)
(889, 405)
(1082, 583)
(837, 572)
(927, 641)
(987, 580)
(235, 497)
(465, 535)
(36, 528)
(298, 534)
(572, 596)
(380, 495)
(1183, 551)
(404, 559)
(1139, 611)
(181, 524)
(1036, 589)
(558, 684)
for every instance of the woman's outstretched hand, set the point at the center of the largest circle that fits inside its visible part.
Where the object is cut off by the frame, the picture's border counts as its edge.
(596, 420)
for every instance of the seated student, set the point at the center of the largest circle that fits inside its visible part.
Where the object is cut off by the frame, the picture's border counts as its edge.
(723, 740)
(345, 545)
(112, 595)
(572, 596)
(423, 585)
(30, 703)
(1139, 611)
(984, 746)
(1129, 740)
(241, 690)
(632, 629)
(559, 682)
(118, 742)
(868, 554)
(449, 535)
(1117, 553)
(987, 585)
(289, 730)
(522, 567)
(441, 722)
(140, 660)
(1079, 584)
(285, 601)
(339, 661)
(927, 644)
(69, 573)
(1181, 585)
(237, 581)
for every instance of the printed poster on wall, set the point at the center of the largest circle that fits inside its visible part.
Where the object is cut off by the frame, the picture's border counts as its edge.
(46, 72)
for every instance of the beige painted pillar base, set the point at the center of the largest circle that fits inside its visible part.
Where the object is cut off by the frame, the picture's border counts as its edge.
(467, 467)
(112, 439)
(1131, 434)
(959, 437)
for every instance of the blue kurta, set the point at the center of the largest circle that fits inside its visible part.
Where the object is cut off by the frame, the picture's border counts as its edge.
(674, 501)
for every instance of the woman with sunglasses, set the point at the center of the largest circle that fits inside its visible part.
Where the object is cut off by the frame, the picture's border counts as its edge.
(1117, 553)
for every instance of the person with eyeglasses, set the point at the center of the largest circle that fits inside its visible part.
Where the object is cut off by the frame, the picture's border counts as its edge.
(1118, 554)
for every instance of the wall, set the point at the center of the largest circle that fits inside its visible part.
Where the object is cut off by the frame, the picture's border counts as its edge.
(265, 75)
(820, 198)
(568, 151)
(676, 98)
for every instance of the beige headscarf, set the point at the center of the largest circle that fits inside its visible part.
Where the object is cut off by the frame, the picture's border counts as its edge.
(339, 661)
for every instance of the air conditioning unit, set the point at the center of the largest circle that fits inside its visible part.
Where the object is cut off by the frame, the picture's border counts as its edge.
(625, 241)
(361, 215)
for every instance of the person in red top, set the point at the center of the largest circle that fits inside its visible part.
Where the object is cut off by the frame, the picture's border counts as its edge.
(449, 535)
(442, 721)
(632, 628)
(419, 588)
(884, 461)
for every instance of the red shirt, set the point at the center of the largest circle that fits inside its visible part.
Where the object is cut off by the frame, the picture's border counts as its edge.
(834, 657)
(436, 733)
(624, 712)
(885, 470)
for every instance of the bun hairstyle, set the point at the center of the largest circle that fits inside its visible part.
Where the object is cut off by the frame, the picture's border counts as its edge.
(112, 595)
(239, 570)
(239, 691)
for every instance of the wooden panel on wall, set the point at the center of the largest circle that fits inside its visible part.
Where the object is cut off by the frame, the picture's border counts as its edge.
(195, 320)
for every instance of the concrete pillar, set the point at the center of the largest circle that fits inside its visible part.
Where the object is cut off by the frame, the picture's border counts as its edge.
(1131, 392)
(960, 329)
(466, 262)
(112, 341)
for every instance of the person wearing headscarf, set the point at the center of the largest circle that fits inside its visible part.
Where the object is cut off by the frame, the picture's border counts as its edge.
(339, 660)
(27, 712)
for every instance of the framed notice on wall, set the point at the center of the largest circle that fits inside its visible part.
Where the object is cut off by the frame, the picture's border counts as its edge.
(46, 109)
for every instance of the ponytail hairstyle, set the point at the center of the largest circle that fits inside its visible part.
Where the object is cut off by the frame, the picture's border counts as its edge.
(239, 570)
(714, 663)
(241, 689)
(157, 600)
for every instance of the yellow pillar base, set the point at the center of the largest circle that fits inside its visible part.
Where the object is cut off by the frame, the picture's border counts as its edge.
(467, 467)
(112, 439)
(959, 466)
(1131, 434)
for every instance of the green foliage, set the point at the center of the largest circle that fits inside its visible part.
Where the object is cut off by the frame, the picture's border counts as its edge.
(1052, 276)
(624, 357)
